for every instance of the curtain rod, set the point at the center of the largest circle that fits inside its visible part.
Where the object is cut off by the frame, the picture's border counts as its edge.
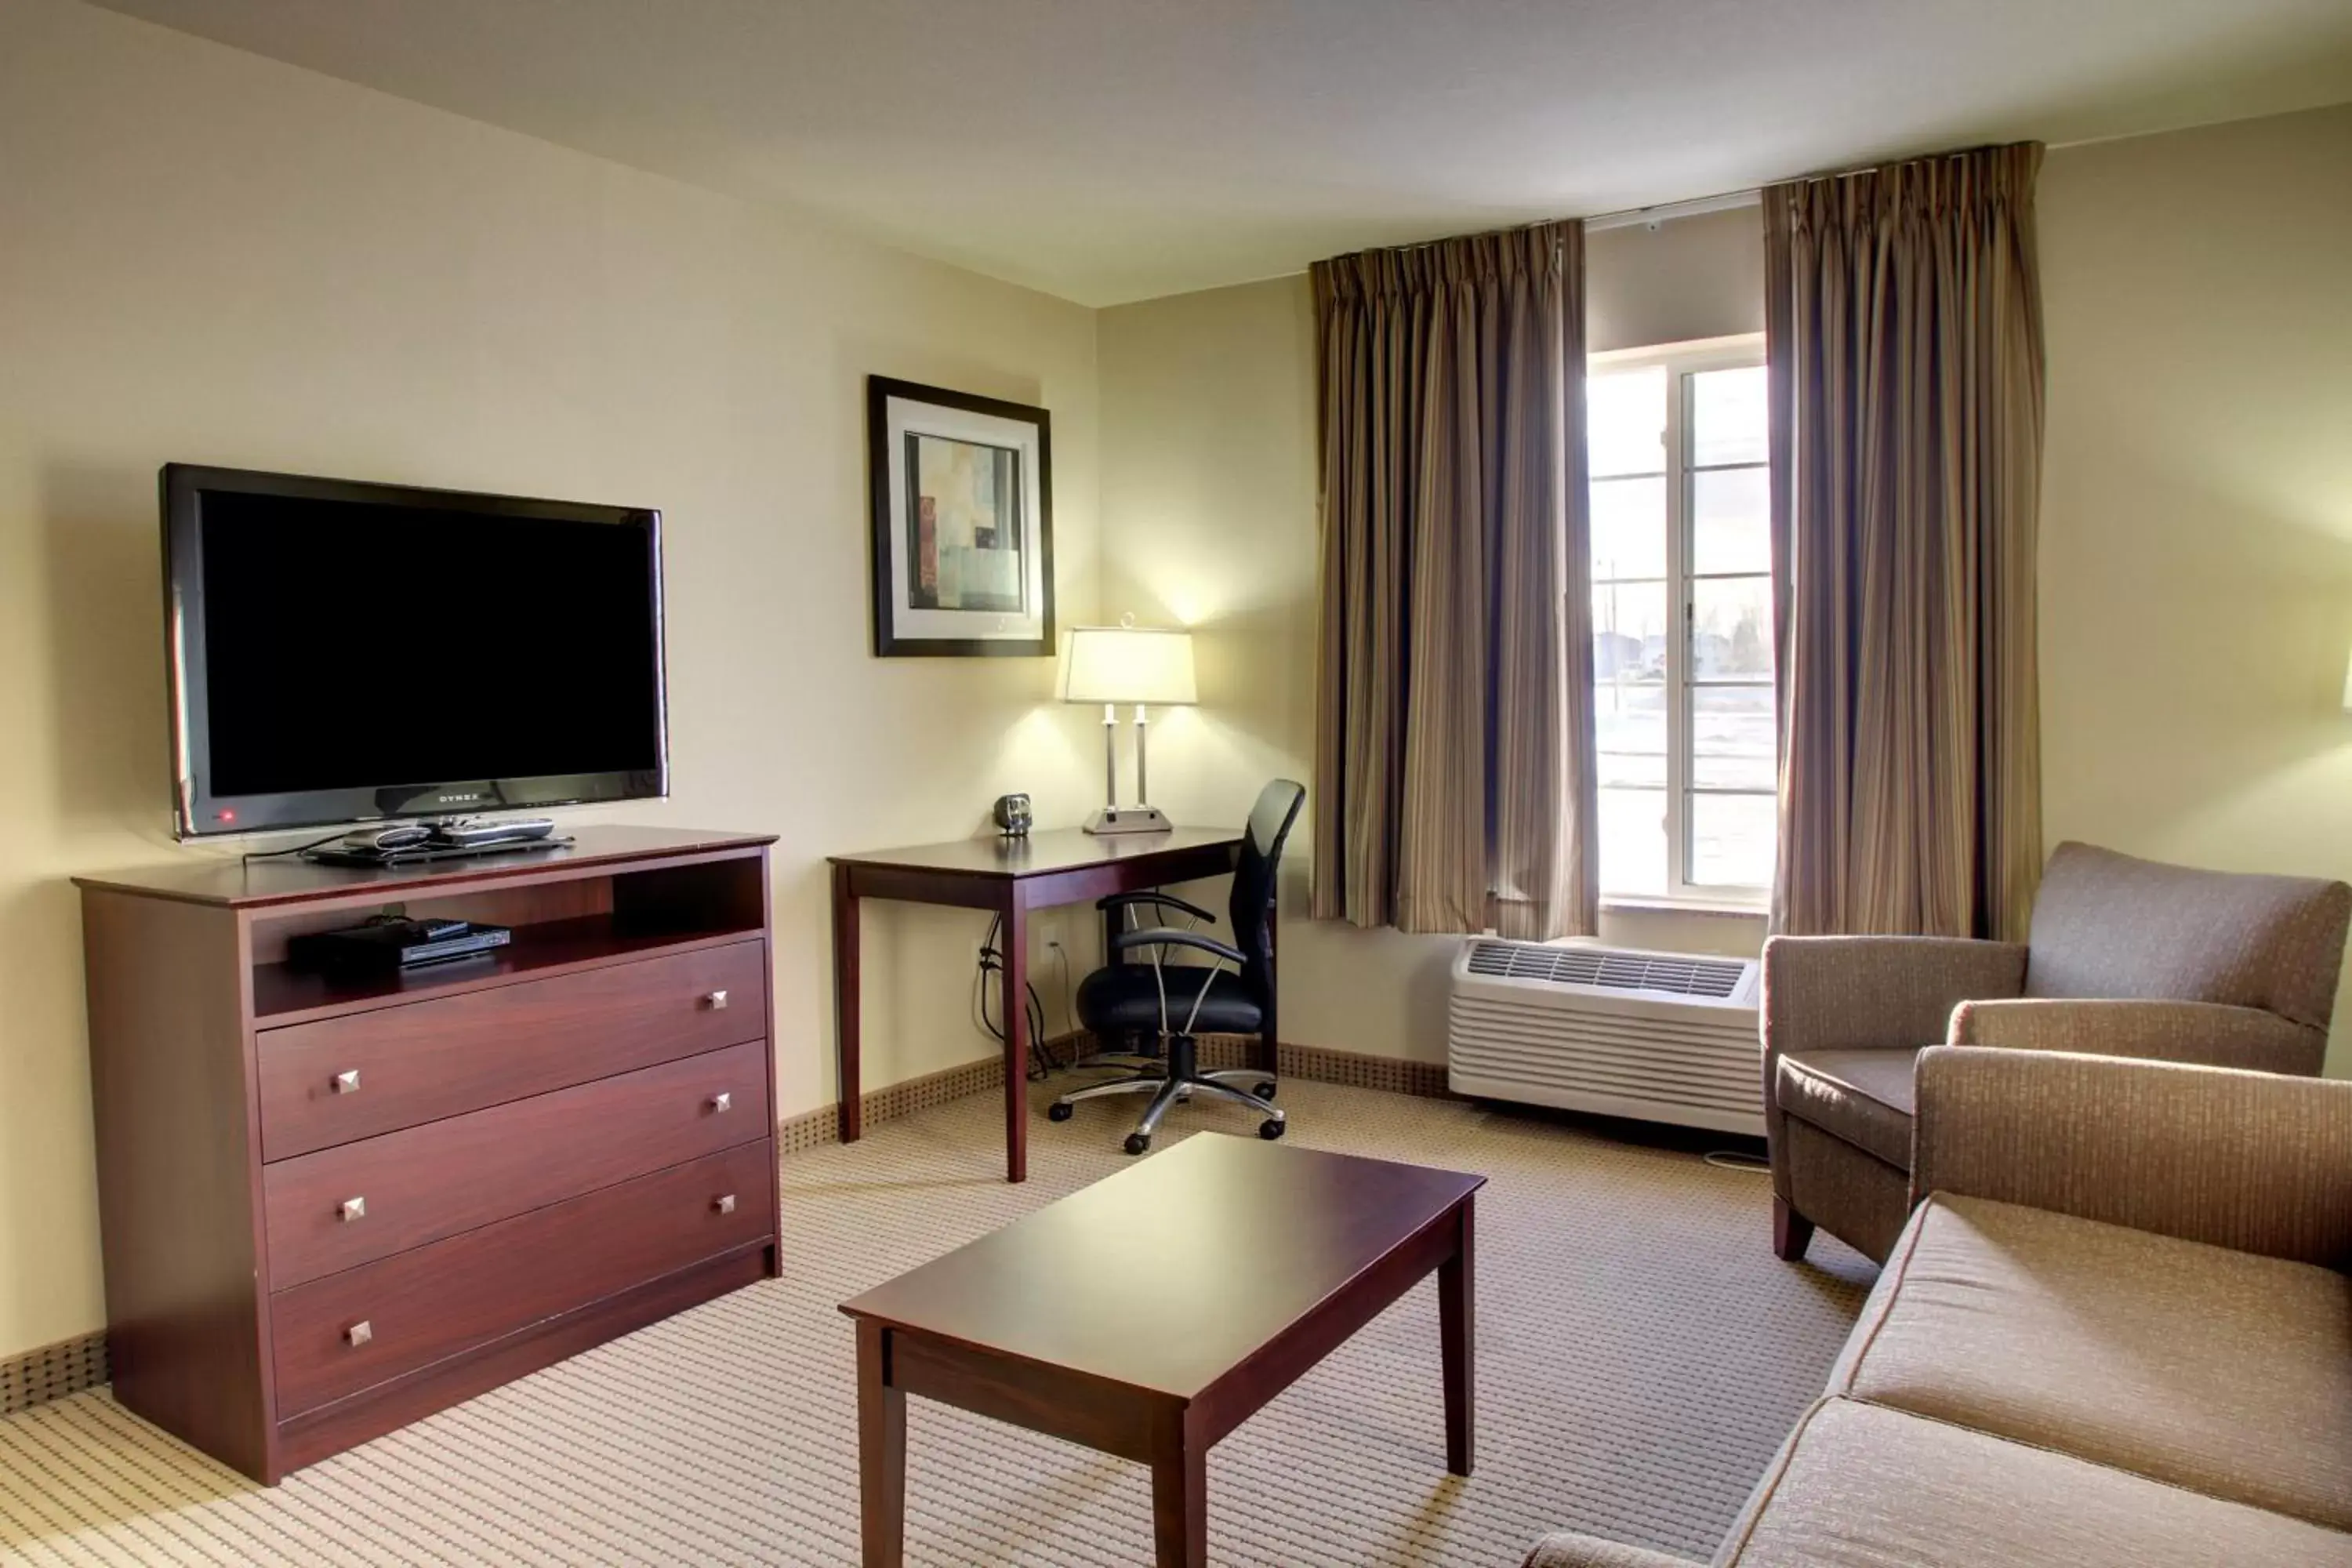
(1731, 201)
(1667, 212)
(1697, 206)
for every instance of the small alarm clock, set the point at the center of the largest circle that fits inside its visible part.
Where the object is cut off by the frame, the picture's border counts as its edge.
(1011, 815)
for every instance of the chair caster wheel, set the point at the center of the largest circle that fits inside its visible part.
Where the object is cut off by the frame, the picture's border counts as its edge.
(1269, 1130)
(1057, 1112)
(1137, 1142)
(1265, 1090)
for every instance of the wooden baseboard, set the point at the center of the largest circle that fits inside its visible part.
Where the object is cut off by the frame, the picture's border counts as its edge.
(53, 1371)
(1316, 1064)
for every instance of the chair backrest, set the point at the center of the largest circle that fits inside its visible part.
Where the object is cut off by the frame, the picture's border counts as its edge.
(1252, 910)
(2109, 925)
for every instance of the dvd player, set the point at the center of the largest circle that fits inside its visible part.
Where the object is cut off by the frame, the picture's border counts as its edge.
(385, 945)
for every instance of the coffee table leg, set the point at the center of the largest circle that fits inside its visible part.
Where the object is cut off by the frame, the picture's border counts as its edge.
(881, 1452)
(1180, 1497)
(1457, 1295)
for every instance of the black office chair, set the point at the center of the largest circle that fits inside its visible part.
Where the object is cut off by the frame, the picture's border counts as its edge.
(1172, 1000)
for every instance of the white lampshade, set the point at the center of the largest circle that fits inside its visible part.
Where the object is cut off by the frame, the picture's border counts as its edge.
(1130, 664)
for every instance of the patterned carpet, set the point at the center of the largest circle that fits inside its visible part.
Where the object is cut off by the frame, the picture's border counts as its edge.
(1641, 1355)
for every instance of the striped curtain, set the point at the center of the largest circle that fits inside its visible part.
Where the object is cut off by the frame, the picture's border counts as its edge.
(1903, 324)
(1453, 759)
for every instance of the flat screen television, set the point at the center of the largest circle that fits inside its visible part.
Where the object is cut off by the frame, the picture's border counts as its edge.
(345, 652)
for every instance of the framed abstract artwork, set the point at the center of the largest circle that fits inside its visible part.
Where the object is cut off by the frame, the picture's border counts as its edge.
(963, 524)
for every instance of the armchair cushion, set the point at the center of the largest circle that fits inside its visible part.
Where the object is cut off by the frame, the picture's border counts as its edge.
(2218, 1371)
(2109, 925)
(2210, 1032)
(1862, 1097)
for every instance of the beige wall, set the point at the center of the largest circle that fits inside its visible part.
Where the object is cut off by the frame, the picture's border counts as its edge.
(2197, 505)
(1700, 277)
(208, 257)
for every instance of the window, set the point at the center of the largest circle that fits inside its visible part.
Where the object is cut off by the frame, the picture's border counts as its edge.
(1682, 622)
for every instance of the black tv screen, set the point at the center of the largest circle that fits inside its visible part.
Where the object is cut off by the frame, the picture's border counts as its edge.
(346, 652)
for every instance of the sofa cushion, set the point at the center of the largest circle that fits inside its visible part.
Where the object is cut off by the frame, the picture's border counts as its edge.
(1864, 1096)
(1861, 1486)
(2220, 1371)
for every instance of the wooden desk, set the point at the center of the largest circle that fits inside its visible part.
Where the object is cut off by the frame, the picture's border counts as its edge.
(1009, 878)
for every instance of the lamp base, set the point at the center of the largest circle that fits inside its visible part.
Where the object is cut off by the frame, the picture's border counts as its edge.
(1129, 819)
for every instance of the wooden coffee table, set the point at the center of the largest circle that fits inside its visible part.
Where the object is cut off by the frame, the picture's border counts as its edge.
(1153, 1313)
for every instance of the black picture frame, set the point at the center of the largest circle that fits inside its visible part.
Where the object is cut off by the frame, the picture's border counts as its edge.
(886, 541)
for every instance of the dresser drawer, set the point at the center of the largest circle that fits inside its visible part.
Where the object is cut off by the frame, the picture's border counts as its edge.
(351, 1331)
(344, 1079)
(352, 1204)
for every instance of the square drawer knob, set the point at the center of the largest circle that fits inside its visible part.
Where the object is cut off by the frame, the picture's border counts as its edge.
(722, 1102)
(716, 1001)
(359, 1333)
(352, 1209)
(348, 1082)
(724, 1204)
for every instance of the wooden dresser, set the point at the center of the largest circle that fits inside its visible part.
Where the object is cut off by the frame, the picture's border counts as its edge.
(332, 1205)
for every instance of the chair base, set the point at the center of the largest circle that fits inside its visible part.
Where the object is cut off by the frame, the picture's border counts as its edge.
(1170, 1081)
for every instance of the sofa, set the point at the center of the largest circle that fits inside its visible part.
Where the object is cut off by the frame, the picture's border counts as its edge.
(2126, 957)
(2115, 1330)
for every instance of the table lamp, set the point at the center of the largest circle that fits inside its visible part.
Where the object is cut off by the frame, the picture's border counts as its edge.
(1128, 663)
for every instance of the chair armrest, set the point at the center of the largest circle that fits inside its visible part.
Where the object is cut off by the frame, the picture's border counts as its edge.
(1166, 936)
(2208, 1032)
(1841, 993)
(1564, 1550)
(1120, 902)
(2246, 1160)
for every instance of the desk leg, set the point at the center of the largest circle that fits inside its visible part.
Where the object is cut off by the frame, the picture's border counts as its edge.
(881, 1452)
(1457, 1297)
(850, 1113)
(1015, 1015)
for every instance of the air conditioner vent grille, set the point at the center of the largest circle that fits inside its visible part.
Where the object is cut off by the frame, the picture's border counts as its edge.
(1607, 970)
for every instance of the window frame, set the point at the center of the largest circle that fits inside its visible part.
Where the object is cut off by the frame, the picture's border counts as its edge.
(1680, 361)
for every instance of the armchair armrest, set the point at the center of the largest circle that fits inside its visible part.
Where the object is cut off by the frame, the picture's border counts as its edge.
(1840, 992)
(1166, 936)
(2208, 1032)
(1121, 900)
(1563, 1549)
(2244, 1160)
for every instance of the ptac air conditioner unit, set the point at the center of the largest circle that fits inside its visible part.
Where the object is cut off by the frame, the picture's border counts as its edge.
(1658, 1037)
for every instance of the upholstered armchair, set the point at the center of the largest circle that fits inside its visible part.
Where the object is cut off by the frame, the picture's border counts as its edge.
(2125, 958)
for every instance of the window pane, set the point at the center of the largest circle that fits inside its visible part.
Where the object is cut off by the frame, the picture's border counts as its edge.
(1732, 840)
(1731, 521)
(1629, 528)
(1731, 628)
(1731, 738)
(1728, 418)
(1629, 631)
(1625, 421)
(1629, 730)
(1633, 841)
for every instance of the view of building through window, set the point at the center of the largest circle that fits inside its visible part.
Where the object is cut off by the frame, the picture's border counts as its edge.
(1682, 622)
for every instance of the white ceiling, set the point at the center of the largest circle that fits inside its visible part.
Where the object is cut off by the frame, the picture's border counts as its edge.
(1114, 150)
